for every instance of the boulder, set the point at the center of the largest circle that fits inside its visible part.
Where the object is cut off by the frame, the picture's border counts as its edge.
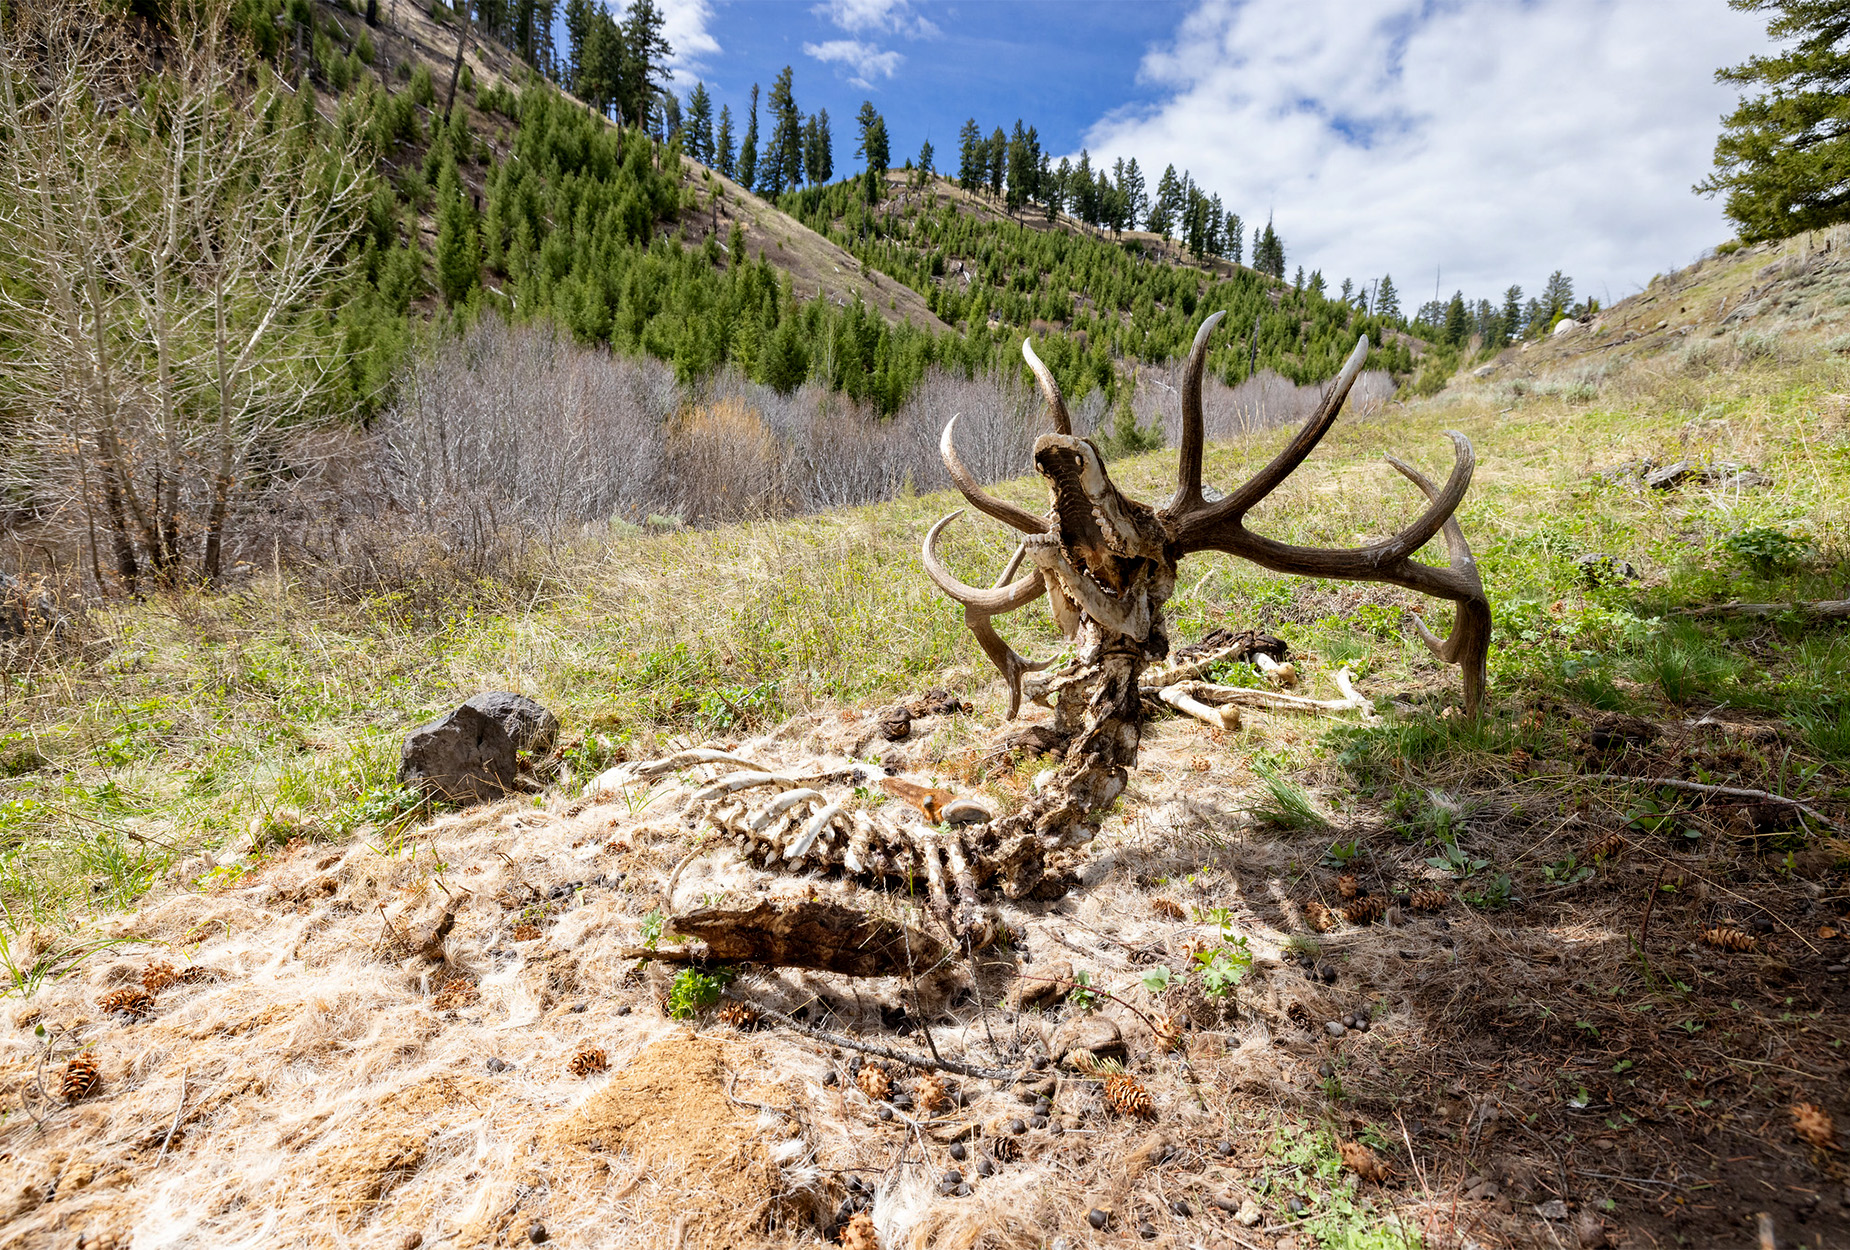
(1096, 1034)
(529, 726)
(1674, 475)
(464, 757)
(1599, 568)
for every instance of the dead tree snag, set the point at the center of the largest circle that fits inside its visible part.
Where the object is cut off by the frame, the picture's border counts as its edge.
(1108, 566)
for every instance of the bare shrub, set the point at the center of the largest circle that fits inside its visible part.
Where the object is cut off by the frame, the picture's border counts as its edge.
(517, 427)
(1264, 401)
(726, 463)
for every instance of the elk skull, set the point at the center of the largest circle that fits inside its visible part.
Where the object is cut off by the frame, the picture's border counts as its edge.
(1108, 565)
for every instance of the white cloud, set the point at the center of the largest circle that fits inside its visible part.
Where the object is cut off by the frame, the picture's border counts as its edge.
(877, 16)
(1499, 141)
(864, 60)
(686, 24)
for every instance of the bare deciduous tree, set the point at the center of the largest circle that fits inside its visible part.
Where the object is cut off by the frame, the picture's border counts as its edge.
(168, 238)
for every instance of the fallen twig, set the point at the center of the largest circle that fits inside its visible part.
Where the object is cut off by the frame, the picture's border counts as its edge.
(890, 1052)
(175, 1126)
(1724, 792)
(1826, 609)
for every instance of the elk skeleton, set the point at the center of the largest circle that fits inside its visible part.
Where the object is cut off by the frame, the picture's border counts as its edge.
(1108, 565)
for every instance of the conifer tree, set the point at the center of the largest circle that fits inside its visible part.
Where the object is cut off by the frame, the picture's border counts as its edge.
(1269, 252)
(1783, 157)
(1315, 284)
(1387, 299)
(700, 125)
(1136, 197)
(1082, 194)
(997, 160)
(1457, 320)
(1161, 218)
(818, 148)
(783, 157)
(1348, 291)
(1557, 298)
(645, 62)
(1023, 162)
(459, 246)
(1234, 232)
(972, 159)
(925, 166)
(748, 147)
(722, 143)
(1059, 190)
(579, 16)
(872, 148)
(1509, 321)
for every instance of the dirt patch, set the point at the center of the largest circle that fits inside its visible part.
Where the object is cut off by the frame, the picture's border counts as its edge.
(670, 1112)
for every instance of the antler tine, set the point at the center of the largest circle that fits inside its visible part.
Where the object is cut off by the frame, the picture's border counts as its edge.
(981, 605)
(1188, 465)
(1056, 402)
(980, 499)
(1468, 645)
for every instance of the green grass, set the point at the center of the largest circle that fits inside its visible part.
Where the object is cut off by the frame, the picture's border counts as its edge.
(282, 706)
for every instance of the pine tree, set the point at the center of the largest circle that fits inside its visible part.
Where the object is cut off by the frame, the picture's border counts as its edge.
(645, 62)
(700, 125)
(996, 155)
(1059, 190)
(579, 16)
(972, 161)
(1234, 230)
(1081, 193)
(873, 146)
(1557, 298)
(783, 159)
(1783, 156)
(925, 166)
(1387, 299)
(1023, 161)
(1136, 197)
(722, 143)
(1509, 321)
(1316, 283)
(1348, 291)
(1457, 320)
(1269, 252)
(818, 148)
(601, 64)
(1163, 210)
(459, 245)
(748, 147)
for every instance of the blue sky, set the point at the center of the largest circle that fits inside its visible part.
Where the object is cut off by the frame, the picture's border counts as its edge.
(1491, 141)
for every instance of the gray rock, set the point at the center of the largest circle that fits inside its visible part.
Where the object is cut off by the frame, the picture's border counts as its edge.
(1553, 1209)
(1744, 479)
(1091, 1032)
(1335, 1028)
(463, 757)
(1674, 474)
(530, 727)
(1484, 371)
(1599, 567)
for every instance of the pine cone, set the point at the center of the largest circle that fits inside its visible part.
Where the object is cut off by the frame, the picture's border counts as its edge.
(81, 1078)
(1813, 1123)
(455, 994)
(1364, 1162)
(1609, 847)
(1365, 910)
(157, 977)
(585, 1062)
(875, 1083)
(1727, 939)
(1428, 900)
(1318, 917)
(1126, 1095)
(1168, 1032)
(739, 1016)
(1005, 1149)
(858, 1233)
(130, 1000)
(526, 932)
(1168, 908)
(929, 1094)
(1347, 886)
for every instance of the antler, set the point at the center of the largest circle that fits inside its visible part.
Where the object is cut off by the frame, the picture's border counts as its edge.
(1195, 525)
(1056, 402)
(981, 605)
(980, 499)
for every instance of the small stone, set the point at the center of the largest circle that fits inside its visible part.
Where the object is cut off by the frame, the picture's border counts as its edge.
(1335, 1028)
(959, 1152)
(902, 1101)
(1097, 1218)
(1180, 1207)
(1553, 1209)
(831, 1078)
(1055, 1128)
(1248, 1215)
(1017, 1127)
(1042, 1105)
(1295, 1205)
(1328, 974)
(953, 1177)
(411, 1240)
(1362, 1025)
(577, 1008)
(1039, 1121)
(1484, 1191)
(963, 1190)
(498, 1065)
(1223, 1148)
(536, 1232)
(985, 1167)
(886, 1112)
(1147, 1231)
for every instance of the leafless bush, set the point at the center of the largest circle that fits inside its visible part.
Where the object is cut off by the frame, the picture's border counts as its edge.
(516, 427)
(1265, 401)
